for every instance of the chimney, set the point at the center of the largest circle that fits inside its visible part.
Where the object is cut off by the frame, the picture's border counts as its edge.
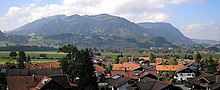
(217, 77)
(125, 69)
(34, 77)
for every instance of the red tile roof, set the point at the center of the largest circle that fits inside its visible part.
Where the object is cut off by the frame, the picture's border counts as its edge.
(98, 68)
(127, 65)
(131, 74)
(169, 67)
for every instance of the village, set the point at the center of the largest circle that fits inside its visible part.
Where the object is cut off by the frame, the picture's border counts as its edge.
(123, 73)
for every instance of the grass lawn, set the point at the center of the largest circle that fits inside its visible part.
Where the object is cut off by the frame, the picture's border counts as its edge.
(138, 54)
(56, 56)
(3, 61)
(52, 54)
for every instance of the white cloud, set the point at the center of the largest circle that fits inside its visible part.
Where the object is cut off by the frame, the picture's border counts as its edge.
(134, 10)
(208, 31)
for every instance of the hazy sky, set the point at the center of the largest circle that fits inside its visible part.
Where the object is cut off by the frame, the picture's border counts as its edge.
(194, 18)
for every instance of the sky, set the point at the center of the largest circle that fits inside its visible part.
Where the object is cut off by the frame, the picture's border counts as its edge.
(198, 19)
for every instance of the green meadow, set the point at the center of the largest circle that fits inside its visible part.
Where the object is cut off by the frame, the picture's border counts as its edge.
(54, 56)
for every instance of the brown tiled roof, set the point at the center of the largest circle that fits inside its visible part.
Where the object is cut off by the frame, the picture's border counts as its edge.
(153, 72)
(169, 67)
(30, 66)
(44, 65)
(127, 65)
(48, 65)
(118, 82)
(62, 80)
(151, 84)
(44, 80)
(131, 74)
(98, 68)
(22, 82)
(28, 72)
(35, 82)
(53, 65)
(203, 75)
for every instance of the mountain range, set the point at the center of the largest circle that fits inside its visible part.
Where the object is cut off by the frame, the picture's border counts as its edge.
(101, 30)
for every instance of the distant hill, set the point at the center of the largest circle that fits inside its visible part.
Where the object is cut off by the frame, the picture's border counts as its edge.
(2, 36)
(102, 24)
(165, 30)
(211, 42)
(12, 39)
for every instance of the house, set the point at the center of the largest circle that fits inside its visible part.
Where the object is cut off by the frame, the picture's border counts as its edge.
(98, 59)
(184, 74)
(169, 68)
(206, 81)
(44, 65)
(99, 70)
(185, 62)
(30, 72)
(135, 74)
(152, 84)
(118, 82)
(144, 58)
(159, 60)
(48, 65)
(126, 65)
(60, 82)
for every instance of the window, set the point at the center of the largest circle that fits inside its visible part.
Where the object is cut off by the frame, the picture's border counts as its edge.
(189, 74)
(181, 74)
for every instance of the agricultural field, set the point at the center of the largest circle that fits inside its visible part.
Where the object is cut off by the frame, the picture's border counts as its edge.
(52, 56)
(138, 54)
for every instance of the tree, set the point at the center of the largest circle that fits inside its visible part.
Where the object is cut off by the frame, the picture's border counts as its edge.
(116, 60)
(151, 57)
(68, 62)
(28, 59)
(197, 57)
(109, 67)
(211, 66)
(85, 71)
(165, 75)
(173, 61)
(13, 55)
(185, 56)
(78, 64)
(21, 59)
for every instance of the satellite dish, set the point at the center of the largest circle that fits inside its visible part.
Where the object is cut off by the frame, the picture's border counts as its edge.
(44, 81)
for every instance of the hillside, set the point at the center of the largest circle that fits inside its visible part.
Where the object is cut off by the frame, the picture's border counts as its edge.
(104, 41)
(103, 24)
(10, 39)
(165, 30)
